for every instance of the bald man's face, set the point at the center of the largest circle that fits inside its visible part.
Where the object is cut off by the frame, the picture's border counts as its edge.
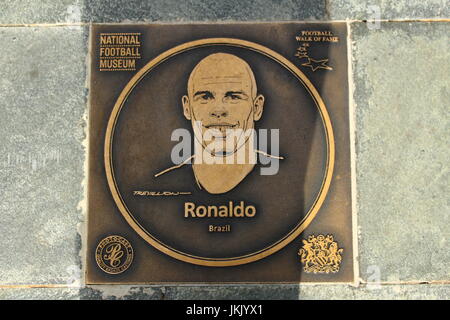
(222, 98)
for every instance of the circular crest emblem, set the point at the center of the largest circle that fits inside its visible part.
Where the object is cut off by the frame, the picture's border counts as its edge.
(114, 254)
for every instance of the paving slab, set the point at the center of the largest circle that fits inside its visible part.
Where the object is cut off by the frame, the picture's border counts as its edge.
(402, 126)
(85, 11)
(202, 10)
(41, 12)
(42, 103)
(387, 9)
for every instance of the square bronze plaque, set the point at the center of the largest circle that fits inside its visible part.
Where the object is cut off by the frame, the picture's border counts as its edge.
(219, 153)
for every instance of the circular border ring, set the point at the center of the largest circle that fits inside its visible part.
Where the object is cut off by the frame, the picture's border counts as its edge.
(220, 262)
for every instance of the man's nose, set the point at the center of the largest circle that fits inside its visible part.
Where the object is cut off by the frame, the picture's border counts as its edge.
(218, 113)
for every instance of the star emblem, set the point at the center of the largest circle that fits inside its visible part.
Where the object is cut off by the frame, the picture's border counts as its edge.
(317, 64)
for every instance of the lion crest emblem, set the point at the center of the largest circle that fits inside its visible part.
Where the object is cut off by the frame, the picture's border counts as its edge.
(320, 254)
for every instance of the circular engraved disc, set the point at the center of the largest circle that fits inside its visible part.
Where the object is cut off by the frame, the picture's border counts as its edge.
(114, 254)
(138, 146)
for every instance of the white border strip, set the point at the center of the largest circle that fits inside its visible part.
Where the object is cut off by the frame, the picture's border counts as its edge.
(352, 130)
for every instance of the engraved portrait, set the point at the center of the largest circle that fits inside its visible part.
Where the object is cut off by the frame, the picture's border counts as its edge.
(223, 102)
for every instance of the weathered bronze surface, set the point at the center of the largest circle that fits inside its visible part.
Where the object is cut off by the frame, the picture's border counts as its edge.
(283, 213)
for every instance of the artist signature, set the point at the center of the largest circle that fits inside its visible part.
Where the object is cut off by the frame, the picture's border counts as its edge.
(160, 193)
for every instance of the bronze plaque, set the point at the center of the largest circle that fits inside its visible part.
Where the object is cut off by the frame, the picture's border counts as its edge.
(219, 153)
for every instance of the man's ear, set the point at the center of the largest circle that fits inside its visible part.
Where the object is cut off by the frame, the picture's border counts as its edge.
(186, 107)
(258, 106)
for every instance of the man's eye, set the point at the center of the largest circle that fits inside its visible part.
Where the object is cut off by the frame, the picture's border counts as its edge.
(203, 96)
(235, 96)
(206, 97)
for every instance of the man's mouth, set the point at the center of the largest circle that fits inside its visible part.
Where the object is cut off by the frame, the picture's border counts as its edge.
(221, 125)
(220, 129)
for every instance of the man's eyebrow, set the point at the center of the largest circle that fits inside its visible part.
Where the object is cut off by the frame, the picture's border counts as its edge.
(235, 92)
(202, 92)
